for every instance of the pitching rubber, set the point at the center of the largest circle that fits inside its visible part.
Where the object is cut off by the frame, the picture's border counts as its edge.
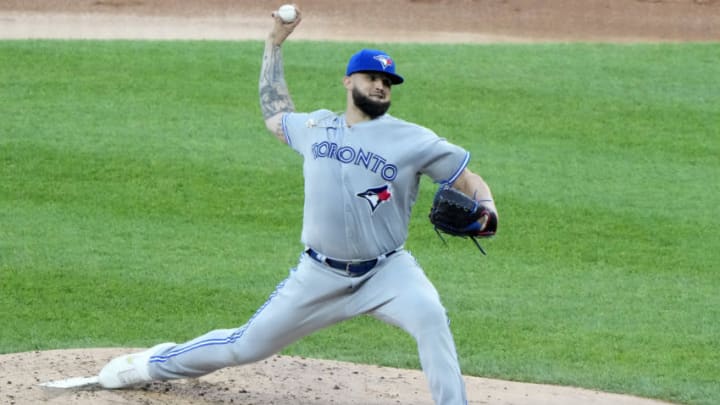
(75, 382)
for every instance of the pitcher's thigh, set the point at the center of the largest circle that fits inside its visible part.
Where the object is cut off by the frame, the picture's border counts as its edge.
(409, 300)
(307, 302)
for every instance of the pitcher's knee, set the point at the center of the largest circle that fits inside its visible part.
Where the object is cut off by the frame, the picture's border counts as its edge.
(430, 315)
(243, 353)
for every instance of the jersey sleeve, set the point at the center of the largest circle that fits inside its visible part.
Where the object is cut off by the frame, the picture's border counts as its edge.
(299, 128)
(443, 161)
(292, 125)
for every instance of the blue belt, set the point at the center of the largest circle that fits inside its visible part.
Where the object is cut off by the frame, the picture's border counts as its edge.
(354, 269)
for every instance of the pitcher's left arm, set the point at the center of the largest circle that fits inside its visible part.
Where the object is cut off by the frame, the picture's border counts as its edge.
(472, 185)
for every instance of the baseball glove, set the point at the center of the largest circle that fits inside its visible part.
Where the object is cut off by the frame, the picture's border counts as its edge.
(456, 214)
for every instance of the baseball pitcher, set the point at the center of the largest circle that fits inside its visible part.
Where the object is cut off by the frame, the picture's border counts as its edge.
(362, 169)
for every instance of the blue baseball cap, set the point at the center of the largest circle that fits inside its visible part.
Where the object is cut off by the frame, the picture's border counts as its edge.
(373, 60)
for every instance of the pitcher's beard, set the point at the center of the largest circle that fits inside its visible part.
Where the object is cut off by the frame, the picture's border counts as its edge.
(370, 107)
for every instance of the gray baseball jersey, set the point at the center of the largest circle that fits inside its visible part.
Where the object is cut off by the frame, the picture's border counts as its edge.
(362, 181)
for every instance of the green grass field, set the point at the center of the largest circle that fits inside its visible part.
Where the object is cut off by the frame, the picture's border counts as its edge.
(141, 201)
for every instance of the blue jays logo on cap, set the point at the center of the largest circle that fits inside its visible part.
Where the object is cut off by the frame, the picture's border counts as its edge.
(373, 60)
(384, 60)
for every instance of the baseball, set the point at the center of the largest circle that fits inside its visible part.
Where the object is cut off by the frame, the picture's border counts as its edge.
(287, 13)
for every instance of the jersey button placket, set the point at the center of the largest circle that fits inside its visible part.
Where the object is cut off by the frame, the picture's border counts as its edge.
(348, 195)
(349, 234)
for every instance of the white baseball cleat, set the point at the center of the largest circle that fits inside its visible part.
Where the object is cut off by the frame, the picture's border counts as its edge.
(129, 369)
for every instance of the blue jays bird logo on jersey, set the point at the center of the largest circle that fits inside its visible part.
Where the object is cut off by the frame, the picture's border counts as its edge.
(376, 196)
(384, 60)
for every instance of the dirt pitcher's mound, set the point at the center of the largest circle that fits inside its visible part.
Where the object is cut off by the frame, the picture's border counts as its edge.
(277, 380)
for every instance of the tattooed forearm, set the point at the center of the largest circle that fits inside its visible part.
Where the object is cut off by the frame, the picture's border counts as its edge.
(274, 93)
